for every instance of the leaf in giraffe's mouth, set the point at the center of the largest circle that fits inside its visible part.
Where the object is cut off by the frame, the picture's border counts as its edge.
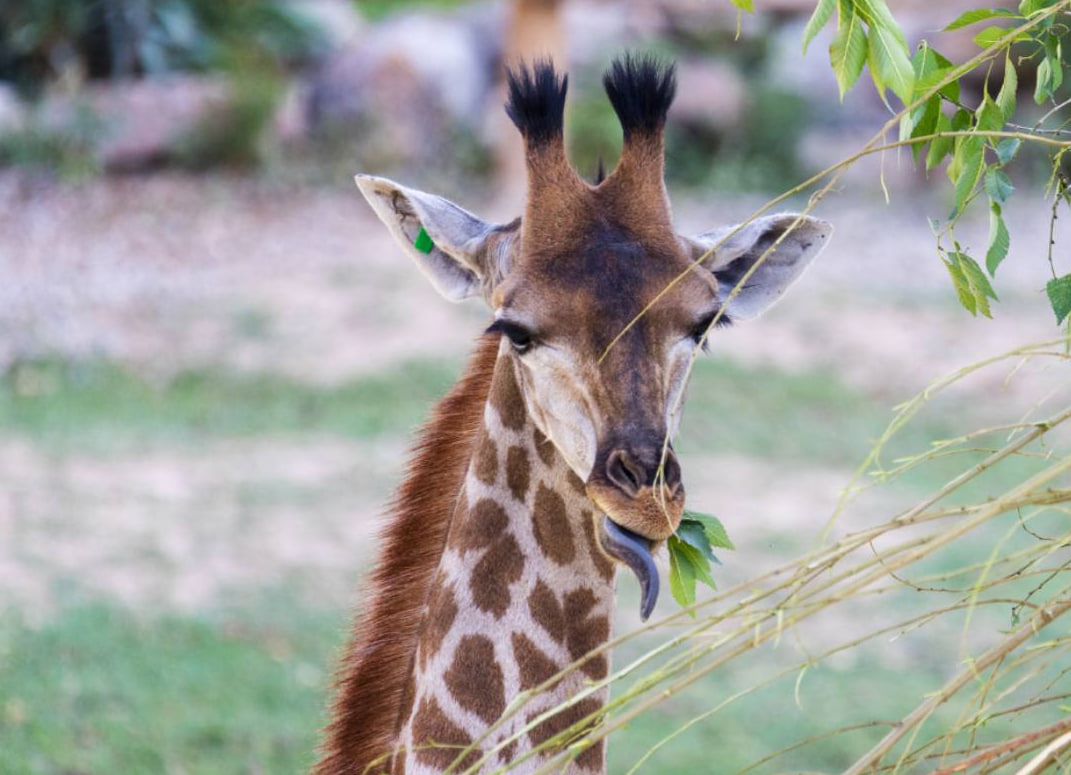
(635, 551)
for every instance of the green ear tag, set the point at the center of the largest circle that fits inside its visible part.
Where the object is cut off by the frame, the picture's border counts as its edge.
(423, 242)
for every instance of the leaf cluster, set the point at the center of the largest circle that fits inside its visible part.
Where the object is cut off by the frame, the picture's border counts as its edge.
(975, 143)
(691, 551)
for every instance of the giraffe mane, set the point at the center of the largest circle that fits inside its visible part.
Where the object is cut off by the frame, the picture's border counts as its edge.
(372, 677)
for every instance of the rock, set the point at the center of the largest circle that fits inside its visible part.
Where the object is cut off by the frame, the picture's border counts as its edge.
(441, 57)
(140, 120)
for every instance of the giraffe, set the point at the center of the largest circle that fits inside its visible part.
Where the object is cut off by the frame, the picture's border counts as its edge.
(544, 469)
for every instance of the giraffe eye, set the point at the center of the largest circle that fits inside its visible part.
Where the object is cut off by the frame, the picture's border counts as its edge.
(700, 329)
(519, 336)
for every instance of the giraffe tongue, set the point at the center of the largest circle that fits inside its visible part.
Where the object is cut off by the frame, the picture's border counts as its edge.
(635, 551)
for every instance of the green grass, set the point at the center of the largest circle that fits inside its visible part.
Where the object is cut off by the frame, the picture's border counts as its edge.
(377, 9)
(99, 690)
(809, 416)
(102, 403)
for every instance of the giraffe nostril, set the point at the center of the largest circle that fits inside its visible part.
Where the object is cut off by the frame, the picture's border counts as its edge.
(672, 474)
(626, 472)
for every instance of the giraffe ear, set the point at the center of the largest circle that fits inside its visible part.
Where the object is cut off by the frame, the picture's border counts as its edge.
(462, 255)
(732, 260)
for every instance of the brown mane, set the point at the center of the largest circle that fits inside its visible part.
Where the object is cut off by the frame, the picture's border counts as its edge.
(378, 661)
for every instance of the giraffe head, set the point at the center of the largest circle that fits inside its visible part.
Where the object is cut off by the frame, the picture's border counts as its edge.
(568, 281)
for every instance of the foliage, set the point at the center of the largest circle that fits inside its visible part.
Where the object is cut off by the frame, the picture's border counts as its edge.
(377, 9)
(993, 566)
(233, 136)
(99, 689)
(691, 550)
(977, 142)
(67, 151)
(41, 40)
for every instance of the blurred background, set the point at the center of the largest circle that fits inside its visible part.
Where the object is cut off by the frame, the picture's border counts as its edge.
(212, 358)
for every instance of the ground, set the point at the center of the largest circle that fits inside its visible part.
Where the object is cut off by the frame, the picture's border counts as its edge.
(210, 386)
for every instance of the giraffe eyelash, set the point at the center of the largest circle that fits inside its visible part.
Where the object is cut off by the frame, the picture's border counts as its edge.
(519, 336)
(699, 333)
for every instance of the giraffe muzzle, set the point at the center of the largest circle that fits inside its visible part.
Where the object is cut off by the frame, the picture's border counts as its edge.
(635, 551)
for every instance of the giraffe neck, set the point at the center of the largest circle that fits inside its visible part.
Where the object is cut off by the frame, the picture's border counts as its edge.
(521, 591)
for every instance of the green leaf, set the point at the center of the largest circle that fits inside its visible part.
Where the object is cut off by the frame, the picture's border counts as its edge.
(1029, 7)
(969, 156)
(889, 62)
(998, 185)
(700, 564)
(990, 35)
(1054, 55)
(744, 5)
(715, 530)
(963, 290)
(847, 52)
(972, 286)
(1043, 84)
(693, 534)
(999, 241)
(968, 18)
(990, 116)
(1007, 148)
(1006, 96)
(1059, 292)
(819, 19)
(930, 69)
(979, 282)
(877, 14)
(942, 146)
(681, 574)
(928, 116)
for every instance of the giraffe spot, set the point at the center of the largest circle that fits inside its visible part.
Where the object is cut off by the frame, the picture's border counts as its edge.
(579, 603)
(438, 741)
(552, 530)
(507, 400)
(398, 768)
(603, 564)
(484, 523)
(547, 611)
(486, 464)
(587, 636)
(518, 471)
(593, 758)
(576, 483)
(442, 610)
(534, 665)
(544, 448)
(505, 756)
(475, 679)
(585, 633)
(563, 720)
(496, 570)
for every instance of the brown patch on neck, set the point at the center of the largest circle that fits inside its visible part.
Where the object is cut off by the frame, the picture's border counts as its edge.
(379, 659)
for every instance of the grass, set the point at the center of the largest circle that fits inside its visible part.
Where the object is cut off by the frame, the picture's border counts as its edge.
(377, 9)
(100, 690)
(808, 416)
(102, 403)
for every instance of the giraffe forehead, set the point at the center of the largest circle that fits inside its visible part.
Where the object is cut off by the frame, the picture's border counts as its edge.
(590, 296)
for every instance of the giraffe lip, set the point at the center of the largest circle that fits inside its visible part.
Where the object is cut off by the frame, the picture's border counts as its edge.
(635, 551)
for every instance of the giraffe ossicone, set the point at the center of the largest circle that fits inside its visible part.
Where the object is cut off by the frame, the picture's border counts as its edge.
(547, 464)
